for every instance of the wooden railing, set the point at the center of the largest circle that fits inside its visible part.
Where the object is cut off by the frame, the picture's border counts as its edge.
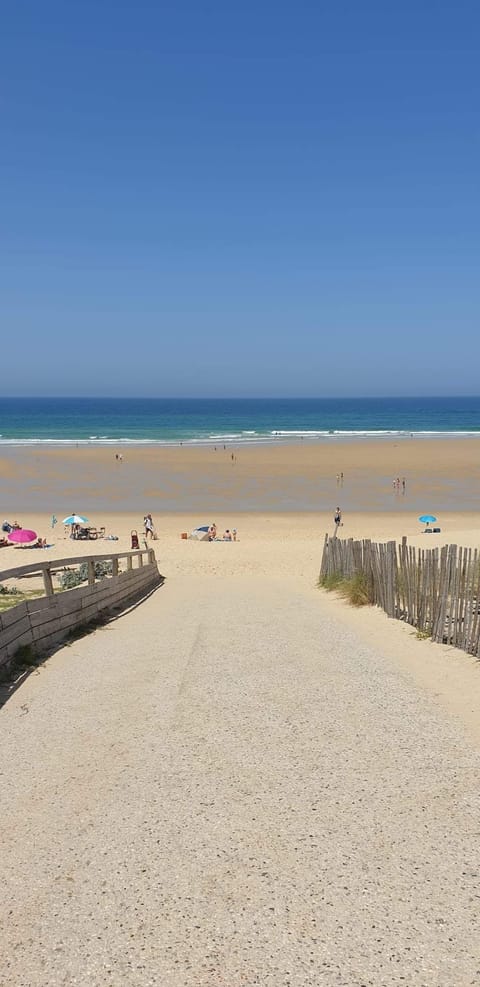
(435, 590)
(39, 624)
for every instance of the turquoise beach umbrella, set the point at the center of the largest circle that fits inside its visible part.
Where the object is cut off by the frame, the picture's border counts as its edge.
(427, 518)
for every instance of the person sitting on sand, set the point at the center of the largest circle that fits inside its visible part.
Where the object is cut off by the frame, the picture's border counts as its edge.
(228, 535)
(212, 532)
(40, 543)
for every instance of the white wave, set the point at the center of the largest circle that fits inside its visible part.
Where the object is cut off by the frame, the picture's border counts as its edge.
(222, 437)
(245, 438)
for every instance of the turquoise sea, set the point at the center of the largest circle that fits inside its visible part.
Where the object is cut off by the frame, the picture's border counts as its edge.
(101, 421)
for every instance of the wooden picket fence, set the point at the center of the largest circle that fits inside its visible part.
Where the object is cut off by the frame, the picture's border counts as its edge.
(435, 590)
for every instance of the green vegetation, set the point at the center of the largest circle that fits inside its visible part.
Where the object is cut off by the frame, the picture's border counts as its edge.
(25, 656)
(75, 577)
(354, 589)
(422, 635)
(331, 582)
(83, 629)
(12, 597)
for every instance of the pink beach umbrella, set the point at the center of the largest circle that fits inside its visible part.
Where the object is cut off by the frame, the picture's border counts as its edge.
(22, 536)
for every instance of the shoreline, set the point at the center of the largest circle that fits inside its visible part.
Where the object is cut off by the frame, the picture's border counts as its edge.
(295, 477)
(242, 441)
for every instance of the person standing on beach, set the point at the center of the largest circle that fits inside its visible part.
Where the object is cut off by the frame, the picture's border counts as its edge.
(148, 525)
(337, 518)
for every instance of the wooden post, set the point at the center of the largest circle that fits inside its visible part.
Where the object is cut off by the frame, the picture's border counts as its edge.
(91, 572)
(114, 567)
(47, 582)
(129, 562)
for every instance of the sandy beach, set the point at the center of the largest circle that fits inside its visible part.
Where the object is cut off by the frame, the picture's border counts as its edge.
(262, 492)
(440, 475)
(230, 785)
(280, 498)
(258, 783)
(289, 547)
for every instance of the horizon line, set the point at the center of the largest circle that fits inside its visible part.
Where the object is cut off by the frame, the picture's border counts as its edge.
(184, 397)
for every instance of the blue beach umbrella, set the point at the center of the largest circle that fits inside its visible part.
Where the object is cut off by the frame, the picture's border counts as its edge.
(75, 519)
(427, 518)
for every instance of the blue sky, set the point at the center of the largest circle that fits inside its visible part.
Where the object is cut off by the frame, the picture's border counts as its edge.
(251, 199)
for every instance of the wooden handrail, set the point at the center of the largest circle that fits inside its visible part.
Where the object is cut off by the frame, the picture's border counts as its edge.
(48, 564)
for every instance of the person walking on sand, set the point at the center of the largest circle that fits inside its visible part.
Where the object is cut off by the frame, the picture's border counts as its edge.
(337, 518)
(148, 525)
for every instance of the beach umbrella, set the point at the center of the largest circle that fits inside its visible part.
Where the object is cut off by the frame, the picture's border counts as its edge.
(75, 519)
(22, 536)
(427, 518)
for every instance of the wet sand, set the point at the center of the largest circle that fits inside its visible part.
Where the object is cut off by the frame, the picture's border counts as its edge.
(440, 475)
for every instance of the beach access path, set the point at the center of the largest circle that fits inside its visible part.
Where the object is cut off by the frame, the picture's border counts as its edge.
(227, 786)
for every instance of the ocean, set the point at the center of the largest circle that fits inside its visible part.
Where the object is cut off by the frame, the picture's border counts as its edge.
(104, 421)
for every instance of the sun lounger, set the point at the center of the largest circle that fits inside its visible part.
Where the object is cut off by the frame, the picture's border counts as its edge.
(90, 534)
(94, 533)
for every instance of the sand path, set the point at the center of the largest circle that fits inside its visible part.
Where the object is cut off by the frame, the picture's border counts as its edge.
(227, 787)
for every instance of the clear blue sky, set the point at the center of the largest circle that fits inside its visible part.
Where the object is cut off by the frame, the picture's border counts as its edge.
(240, 199)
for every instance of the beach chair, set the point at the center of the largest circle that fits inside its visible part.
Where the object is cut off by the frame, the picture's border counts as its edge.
(94, 533)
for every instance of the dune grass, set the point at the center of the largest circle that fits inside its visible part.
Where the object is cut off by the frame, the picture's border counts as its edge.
(9, 598)
(354, 590)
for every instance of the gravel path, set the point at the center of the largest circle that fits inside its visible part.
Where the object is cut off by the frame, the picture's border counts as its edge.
(226, 787)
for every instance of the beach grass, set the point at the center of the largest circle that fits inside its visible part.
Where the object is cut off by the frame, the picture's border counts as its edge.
(11, 598)
(354, 590)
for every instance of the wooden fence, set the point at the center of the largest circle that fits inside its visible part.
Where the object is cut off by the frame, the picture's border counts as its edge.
(41, 623)
(435, 590)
